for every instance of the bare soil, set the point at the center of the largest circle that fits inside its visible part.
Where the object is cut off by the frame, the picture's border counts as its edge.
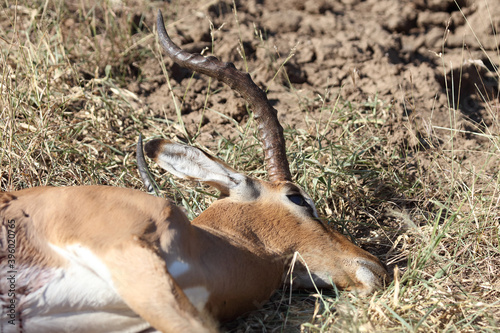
(417, 60)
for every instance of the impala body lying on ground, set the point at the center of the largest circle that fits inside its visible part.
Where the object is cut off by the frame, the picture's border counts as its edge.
(107, 259)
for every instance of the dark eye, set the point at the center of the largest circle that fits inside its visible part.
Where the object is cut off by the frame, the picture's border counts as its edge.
(297, 199)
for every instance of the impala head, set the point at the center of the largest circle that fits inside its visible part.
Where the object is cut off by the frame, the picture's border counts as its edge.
(276, 216)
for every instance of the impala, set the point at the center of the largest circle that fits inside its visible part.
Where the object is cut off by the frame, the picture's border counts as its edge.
(108, 259)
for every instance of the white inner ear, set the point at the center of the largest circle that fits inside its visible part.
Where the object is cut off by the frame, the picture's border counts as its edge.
(191, 163)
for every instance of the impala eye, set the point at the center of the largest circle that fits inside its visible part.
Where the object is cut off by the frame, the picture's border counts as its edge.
(298, 199)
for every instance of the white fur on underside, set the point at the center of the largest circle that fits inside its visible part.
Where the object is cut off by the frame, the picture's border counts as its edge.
(79, 298)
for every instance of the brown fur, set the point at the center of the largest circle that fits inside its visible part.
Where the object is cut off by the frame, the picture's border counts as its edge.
(123, 227)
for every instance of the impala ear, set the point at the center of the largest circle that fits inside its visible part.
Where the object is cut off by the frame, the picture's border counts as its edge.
(192, 163)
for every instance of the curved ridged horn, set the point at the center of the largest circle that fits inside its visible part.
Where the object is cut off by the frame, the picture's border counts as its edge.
(270, 130)
(148, 181)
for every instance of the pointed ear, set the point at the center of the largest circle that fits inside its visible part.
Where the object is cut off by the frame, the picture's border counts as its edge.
(192, 163)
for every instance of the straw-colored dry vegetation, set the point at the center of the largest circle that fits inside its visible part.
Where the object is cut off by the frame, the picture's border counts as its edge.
(68, 116)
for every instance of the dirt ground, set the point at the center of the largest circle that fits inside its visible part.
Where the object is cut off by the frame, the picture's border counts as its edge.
(418, 60)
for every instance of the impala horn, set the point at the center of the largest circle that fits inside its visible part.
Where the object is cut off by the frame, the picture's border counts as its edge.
(144, 172)
(270, 130)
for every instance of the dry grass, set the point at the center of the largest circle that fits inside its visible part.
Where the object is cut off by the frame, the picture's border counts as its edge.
(66, 118)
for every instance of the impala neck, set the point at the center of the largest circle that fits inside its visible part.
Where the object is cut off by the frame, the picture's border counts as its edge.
(224, 273)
